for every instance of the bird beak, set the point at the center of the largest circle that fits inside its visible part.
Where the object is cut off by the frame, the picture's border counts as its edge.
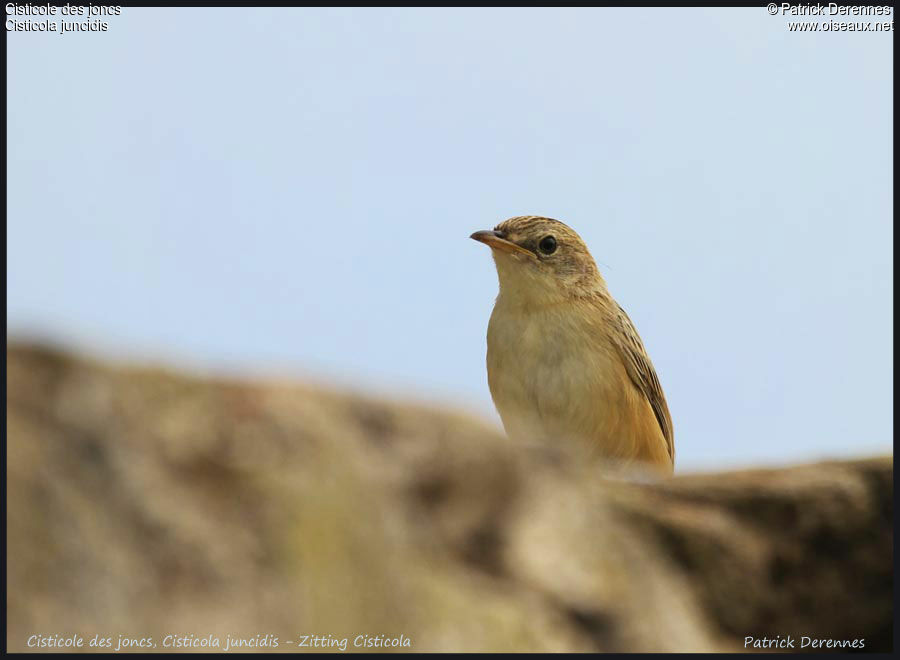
(496, 241)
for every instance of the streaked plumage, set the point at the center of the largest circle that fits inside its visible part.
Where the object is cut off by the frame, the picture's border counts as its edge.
(565, 363)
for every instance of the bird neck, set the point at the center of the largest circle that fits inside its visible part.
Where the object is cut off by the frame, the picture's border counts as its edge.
(526, 288)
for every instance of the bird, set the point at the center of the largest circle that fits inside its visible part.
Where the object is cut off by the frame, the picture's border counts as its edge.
(564, 361)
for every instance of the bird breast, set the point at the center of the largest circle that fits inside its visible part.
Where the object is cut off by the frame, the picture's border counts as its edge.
(550, 372)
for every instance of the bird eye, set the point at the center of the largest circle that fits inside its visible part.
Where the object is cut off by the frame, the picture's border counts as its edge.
(547, 245)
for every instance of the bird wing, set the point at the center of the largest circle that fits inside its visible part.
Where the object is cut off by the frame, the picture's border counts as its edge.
(642, 373)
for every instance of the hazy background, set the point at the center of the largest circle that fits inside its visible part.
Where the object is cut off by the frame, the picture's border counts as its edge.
(291, 191)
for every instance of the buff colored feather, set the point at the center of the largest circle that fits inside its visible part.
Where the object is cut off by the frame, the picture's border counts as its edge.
(565, 363)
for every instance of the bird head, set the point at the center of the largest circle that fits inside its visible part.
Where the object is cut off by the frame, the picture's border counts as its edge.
(541, 260)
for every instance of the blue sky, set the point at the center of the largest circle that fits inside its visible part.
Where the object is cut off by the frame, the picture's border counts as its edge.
(291, 191)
